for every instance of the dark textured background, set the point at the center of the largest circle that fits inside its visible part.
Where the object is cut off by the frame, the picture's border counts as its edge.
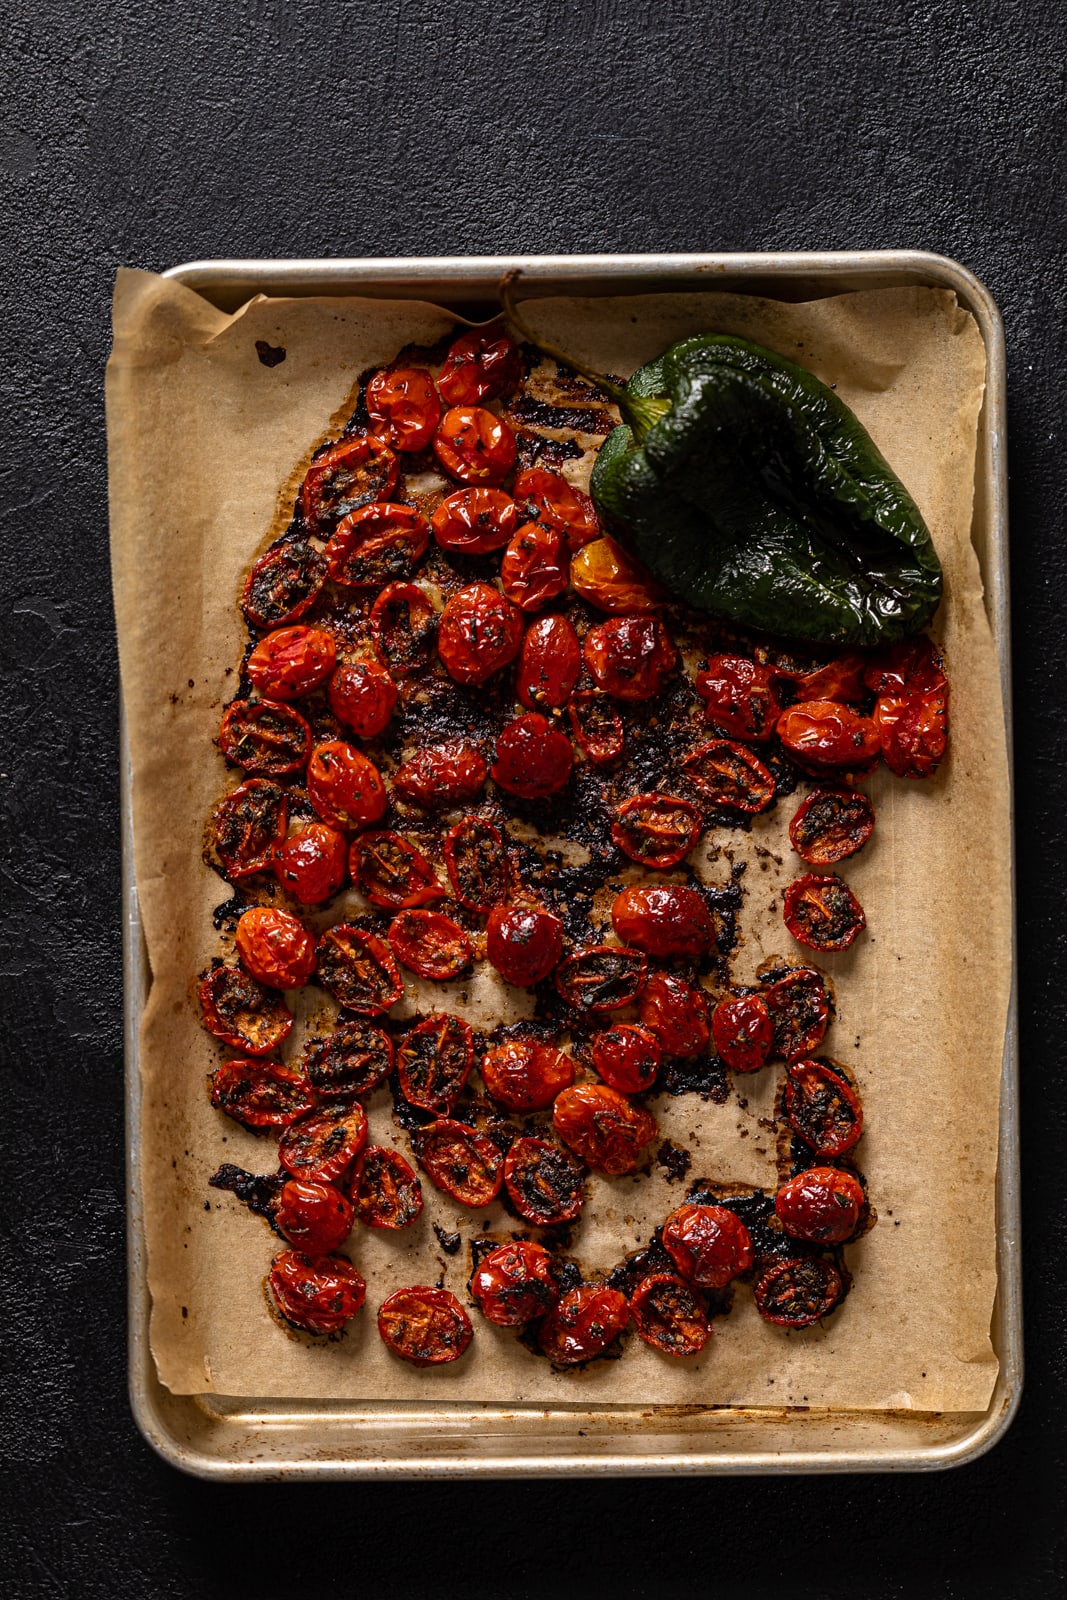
(150, 133)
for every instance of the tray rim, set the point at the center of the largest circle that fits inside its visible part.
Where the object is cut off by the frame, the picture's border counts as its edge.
(461, 280)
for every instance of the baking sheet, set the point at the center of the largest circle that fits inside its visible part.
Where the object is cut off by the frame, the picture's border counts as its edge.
(915, 1330)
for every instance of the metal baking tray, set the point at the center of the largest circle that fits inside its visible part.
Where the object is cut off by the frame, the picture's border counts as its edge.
(249, 1438)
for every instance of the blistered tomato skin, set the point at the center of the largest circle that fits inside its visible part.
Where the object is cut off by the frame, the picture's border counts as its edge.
(515, 1283)
(841, 679)
(264, 736)
(460, 1161)
(312, 863)
(261, 1094)
(525, 1076)
(656, 830)
(275, 947)
(424, 1326)
(668, 1315)
(825, 733)
(550, 664)
(535, 566)
(627, 1058)
(403, 624)
(523, 945)
(740, 697)
(544, 1184)
(385, 1192)
(830, 826)
(631, 658)
(602, 1128)
(344, 477)
(822, 1204)
(430, 944)
(676, 1013)
(666, 921)
(314, 1216)
(317, 1294)
(547, 497)
(242, 1012)
(801, 1007)
(248, 827)
(709, 1245)
(582, 1324)
(914, 732)
(742, 1032)
(481, 365)
(474, 522)
(533, 759)
(319, 1147)
(442, 775)
(290, 662)
(822, 912)
(475, 447)
(345, 786)
(403, 406)
(605, 575)
(479, 633)
(912, 666)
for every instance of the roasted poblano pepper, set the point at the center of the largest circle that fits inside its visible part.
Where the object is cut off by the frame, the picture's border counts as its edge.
(752, 492)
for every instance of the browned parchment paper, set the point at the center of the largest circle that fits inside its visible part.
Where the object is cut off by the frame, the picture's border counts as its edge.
(202, 436)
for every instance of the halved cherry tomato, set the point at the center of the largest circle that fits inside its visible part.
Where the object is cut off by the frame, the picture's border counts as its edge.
(794, 1294)
(290, 662)
(247, 828)
(550, 664)
(627, 1057)
(604, 574)
(822, 1204)
(547, 497)
(403, 623)
(544, 1183)
(314, 1216)
(831, 825)
(603, 1129)
(801, 1008)
(434, 1062)
(321, 1146)
(533, 759)
(480, 365)
(460, 1161)
(602, 977)
(479, 632)
(351, 1061)
(669, 1316)
(359, 970)
(427, 1327)
(676, 1013)
(822, 912)
(362, 695)
(524, 1075)
(312, 863)
(429, 944)
(822, 1108)
(740, 697)
(283, 584)
(474, 522)
(709, 1245)
(515, 1283)
(631, 658)
(914, 732)
(582, 1324)
(442, 775)
(656, 830)
(477, 866)
(665, 921)
(729, 775)
(535, 566)
(824, 733)
(742, 1032)
(523, 945)
(275, 947)
(403, 407)
(473, 446)
(839, 679)
(264, 736)
(261, 1094)
(378, 544)
(317, 1294)
(345, 476)
(391, 871)
(911, 666)
(385, 1191)
(242, 1012)
(345, 786)
(597, 726)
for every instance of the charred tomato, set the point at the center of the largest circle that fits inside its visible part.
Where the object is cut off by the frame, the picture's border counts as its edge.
(429, 944)
(524, 1075)
(351, 1061)
(831, 825)
(544, 1183)
(345, 786)
(476, 864)
(359, 970)
(669, 1316)
(656, 830)
(479, 632)
(344, 477)
(822, 1108)
(460, 1161)
(729, 775)
(290, 662)
(914, 732)
(283, 584)
(533, 759)
(265, 737)
(515, 1283)
(475, 447)
(631, 658)
(739, 697)
(547, 497)
(602, 977)
(319, 1147)
(535, 566)
(822, 912)
(391, 871)
(317, 1294)
(247, 827)
(602, 1128)
(261, 1094)
(378, 544)
(242, 1012)
(385, 1191)
(403, 624)
(794, 1294)
(427, 1327)
(434, 1062)
(801, 1008)
(582, 1324)
(596, 726)
(822, 1204)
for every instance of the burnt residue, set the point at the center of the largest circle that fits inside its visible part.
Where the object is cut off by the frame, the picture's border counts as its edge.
(530, 412)
(449, 1242)
(674, 1159)
(258, 1191)
(271, 355)
(702, 1075)
(226, 916)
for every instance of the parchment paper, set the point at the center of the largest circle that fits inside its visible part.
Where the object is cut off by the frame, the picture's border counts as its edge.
(202, 436)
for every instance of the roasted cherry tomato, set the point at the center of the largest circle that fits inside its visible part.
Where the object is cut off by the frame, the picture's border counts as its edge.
(533, 759)
(535, 566)
(379, 544)
(283, 584)
(317, 1294)
(476, 863)
(247, 827)
(914, 732)
(242, 1012)
(359, 970)
(729, 775)
(385, 1191)
(345, 786)
(603, 1129)
(291, 661)
(275, 947)
(822, 1108)
(391, 871)
(831, 825)
(430, 944)
(314, 1216)
(602, 977)
(544, 1183)
(840, 679)
(403, 407)
(583, 1323)
(442, 775)
(664, 920)
(351, 1061)
(550, 664)
(525, 1076)
(480, 365)
(547, 497)
(604, 574)
(676, 1013)
(362, 695)
(479, 632)
(460, 1161)
(403, 623)
(821, 911)
(427, 1327)
(261, 1094)
(742, 1032)
(794, 1294)
(740, 697)
(627, 1057)
(312, 863)
(434, 1062)
(474, 447)
(322, 1145)
(523, 945)
(801, 1008)
(597, 726)
(668, 1315)
(656, 830)
(515, 1283)
(709, 1245)
(824, 733)
(265, 737)
(631, 658)
(911, 666)
(474, 522)
(822, 1204)
(345, 476)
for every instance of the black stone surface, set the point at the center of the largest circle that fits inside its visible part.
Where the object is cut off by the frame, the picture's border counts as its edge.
(151, 133)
